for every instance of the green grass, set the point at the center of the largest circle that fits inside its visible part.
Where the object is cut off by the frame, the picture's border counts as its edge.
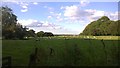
(70, 52)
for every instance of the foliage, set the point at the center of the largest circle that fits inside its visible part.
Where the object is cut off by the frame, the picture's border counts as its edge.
(102, 27)
(48, 34)
(10, 28)
(40, 34)
(44, 34)
(30, 33)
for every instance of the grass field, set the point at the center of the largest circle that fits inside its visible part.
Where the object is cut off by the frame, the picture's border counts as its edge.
(67, 52)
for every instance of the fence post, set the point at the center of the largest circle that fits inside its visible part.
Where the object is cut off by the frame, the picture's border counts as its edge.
(105, 51)
(118, 54)
(33, 59)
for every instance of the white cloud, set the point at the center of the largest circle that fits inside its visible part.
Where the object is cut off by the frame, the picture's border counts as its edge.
(26, 22)
(36, 23)
(113, 16)
(97, 13)
(74, 12)
(35, 3)
(94, 14)
(49, 8)
(51, 12)
(46, 26)
(24, 10)
(62, 7)
(59, 19)
(58, 27)
(49, 17)
(84, 3)
(57, 16)
(71, 11)
(24, 6)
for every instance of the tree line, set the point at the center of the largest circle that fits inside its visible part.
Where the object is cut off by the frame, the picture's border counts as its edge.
(13, 30)
(102, 27)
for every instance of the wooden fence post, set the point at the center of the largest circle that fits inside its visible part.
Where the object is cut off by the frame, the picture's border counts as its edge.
(33, 59)
(105, 51)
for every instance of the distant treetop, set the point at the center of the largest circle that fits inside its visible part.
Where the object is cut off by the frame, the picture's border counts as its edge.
(102, 27)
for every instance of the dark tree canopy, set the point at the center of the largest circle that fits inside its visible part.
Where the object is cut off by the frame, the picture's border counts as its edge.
(103, 26)
(44, 34)
(31, 33)
(40, 34)
(10, 28)
(48, 34)
(13, 30)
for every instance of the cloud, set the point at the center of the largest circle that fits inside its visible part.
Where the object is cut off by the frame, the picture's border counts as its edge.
(35, 3)
(24, 10)
(50, 25)
(84, 3)
(36, 23)
(59, 19)
(49, 17)
(113, 16)
(71, 11)
(23, 5)
(96, 14)
(75, 12)
(49, 8)
(57, 16)
(26, 22)
(46, 26)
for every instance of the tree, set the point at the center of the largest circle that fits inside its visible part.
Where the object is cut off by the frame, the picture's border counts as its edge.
(10, 28)
(103, 19)
(118, 28)
(20, 32)
(48, 34)
(40, 34)
(102, 26)
(113, 28)
(9, 21)
(31, 33)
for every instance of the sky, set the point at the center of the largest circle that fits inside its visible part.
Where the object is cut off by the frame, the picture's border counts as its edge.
(61, 17)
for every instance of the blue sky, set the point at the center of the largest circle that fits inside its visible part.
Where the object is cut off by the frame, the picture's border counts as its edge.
(61, 17)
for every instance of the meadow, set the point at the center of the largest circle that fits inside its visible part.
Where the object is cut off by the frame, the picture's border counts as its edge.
(68, 51)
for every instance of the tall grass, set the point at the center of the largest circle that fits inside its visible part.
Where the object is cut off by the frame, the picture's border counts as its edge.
(68, 52)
